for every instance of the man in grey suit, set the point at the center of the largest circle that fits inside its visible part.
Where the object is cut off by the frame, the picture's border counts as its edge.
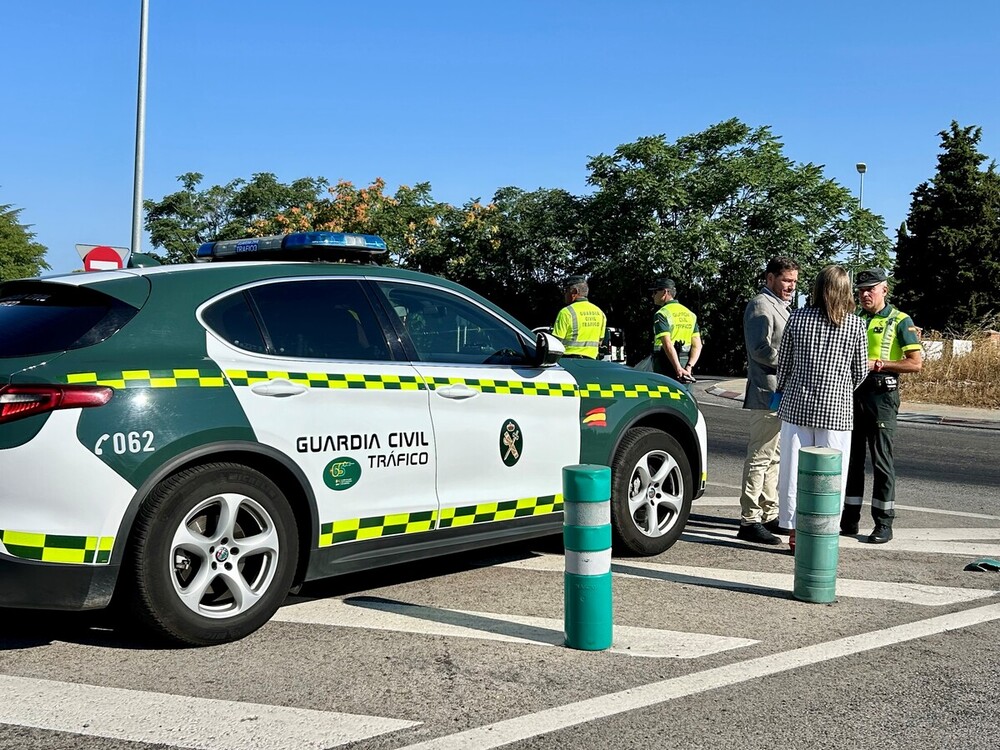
(763, 325)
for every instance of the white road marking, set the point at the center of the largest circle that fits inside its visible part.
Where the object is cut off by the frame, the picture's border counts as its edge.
(719, 501)
(908, 593)
(901, 541)
(592, 709)
(400, 617)
(177, 720)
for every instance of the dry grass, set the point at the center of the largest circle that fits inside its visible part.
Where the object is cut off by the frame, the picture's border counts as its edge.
(969, 380)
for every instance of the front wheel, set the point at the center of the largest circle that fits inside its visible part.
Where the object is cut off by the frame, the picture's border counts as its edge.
(213, 555)
(651, 491)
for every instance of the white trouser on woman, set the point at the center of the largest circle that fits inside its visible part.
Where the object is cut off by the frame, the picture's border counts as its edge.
(794, 437)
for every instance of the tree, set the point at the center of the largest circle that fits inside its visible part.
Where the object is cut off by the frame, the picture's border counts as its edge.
(950, 240)
(710, 210)
(181, 221)
(20, 255)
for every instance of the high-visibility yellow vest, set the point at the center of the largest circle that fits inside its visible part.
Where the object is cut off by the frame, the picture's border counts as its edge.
(581, 326)
(884, 340)
(679, 323)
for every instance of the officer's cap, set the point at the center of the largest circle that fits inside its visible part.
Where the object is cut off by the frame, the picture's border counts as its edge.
(662, 283)
(869, 277)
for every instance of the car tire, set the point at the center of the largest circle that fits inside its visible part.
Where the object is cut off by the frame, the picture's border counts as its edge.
(213, 554)
(651, 492)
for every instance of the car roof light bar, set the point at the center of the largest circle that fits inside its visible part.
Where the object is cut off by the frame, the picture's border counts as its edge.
(322, 246)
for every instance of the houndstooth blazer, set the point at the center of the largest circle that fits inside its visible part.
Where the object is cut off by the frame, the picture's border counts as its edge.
(819, 366)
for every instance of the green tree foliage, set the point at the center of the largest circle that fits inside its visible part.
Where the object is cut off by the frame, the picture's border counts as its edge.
(515, 250)
(181, 221)
(947, 255)
(709, 210)
(20, 255)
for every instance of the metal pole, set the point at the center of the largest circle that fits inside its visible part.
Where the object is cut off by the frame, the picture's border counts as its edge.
(861, 194)
(140, 133)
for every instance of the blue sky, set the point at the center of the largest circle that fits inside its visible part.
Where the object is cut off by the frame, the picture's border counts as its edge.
(468, 96)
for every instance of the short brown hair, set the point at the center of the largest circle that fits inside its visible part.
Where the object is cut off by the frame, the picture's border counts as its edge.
(779, 265)
(831, 293)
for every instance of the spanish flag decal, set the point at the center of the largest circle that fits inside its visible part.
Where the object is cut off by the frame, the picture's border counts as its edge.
(596, 417)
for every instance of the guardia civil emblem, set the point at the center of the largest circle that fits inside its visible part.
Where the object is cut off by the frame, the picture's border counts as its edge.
(511, 442)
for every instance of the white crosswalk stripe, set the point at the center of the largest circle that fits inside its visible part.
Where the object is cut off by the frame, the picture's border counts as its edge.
(536, 631)
(177, 720)
(908, 593)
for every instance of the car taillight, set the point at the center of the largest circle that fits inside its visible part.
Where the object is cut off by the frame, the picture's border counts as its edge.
(20, 401)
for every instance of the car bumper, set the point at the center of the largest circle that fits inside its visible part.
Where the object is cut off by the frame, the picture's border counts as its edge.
(28, 584)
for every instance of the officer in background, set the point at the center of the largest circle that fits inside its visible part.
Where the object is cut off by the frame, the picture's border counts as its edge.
(580, 325)
(893, 348)
(676, 338)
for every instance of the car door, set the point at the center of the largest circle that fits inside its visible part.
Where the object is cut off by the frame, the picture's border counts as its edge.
(503, 429)
(310, 364)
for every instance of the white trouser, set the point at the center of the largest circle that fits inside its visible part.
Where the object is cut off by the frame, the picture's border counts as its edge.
(794, 437)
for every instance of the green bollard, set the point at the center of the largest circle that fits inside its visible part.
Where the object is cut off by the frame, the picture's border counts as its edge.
(817, 525)
(587, 539)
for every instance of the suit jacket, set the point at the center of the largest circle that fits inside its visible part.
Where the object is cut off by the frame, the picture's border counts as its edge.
(819, 366)
(763, 326)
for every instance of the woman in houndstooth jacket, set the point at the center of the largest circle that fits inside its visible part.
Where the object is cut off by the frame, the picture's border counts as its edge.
(822, 359)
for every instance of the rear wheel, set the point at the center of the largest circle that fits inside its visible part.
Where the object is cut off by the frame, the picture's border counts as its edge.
(213, 555)
(651, 491)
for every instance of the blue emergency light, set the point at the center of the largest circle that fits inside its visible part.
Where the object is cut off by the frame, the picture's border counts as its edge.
(328, 246)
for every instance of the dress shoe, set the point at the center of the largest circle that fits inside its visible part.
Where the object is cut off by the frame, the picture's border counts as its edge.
(848, 530)
(755, 532)
(880, 534)
(775, 528)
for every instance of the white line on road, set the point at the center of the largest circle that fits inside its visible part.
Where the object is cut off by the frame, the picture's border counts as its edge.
(401, 617)
(177, 720)
(908, 593)
(902, 541)
(734, 500)
(573, 714)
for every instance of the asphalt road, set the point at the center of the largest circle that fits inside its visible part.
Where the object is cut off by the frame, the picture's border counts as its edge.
(711, 650)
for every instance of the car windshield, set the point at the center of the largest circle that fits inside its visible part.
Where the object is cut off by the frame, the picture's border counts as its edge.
(40, 318)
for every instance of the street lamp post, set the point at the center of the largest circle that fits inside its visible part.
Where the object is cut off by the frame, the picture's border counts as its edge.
(140, 133)
(862, 168)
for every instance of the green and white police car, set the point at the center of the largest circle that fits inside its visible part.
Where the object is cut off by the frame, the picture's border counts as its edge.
(192, 441)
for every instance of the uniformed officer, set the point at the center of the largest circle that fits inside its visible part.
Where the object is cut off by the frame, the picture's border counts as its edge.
(580, 325)
(676, 338)
(893, 348)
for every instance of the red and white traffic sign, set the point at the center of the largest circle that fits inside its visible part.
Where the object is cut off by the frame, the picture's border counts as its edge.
(102, 257)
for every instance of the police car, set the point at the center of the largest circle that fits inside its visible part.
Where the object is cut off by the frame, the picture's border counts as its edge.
(192, 441)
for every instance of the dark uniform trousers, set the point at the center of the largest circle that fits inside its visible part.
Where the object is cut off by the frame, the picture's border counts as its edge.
(875, 410)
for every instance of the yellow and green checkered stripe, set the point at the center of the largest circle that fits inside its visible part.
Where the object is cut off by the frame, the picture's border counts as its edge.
(483, 385)
(176, 378)
(205, 378)
(376, 527)
(58, 548)
(330, 380)
(507, 387)
(502, 511)
(620, 390)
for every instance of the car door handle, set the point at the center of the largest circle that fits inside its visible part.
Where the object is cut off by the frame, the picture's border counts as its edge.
(458, 391)
(278, 387)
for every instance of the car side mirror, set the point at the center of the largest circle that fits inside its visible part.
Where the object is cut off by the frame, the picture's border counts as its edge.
(548, 350)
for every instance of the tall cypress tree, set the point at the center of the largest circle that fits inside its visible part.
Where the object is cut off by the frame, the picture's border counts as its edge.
(947, 256)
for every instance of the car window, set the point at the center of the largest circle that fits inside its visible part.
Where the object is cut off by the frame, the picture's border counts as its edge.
(444, 327)
(39, 318)
(232, 319)
(319, 319)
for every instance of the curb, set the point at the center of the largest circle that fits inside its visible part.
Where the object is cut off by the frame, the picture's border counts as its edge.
(722, 393)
